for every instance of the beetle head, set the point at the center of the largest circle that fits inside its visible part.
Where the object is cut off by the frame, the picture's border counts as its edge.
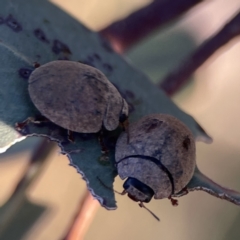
(137, 190)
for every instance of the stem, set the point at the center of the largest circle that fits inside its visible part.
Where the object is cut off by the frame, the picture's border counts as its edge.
(85, 214)
(129, 31)
(175, 80)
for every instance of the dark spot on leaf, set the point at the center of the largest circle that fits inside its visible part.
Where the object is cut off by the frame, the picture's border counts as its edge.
(63, 58)
(108, 67)
(131, 107)
(123, 93)
(40, 35)
(36, 64)
(129, 94)
(97, 57)
(13, 24)
(106, 45)
(25, 72)
(88, 63)
(1, 20)
(186, 143)
(59, 47)
(46, 21)
(90, 59)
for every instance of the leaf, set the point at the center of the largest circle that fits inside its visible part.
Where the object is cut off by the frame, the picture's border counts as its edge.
(36, 31)
(203, 183)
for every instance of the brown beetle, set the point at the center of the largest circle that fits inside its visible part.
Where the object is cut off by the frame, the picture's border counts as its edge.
(157, 157)
(76, 97)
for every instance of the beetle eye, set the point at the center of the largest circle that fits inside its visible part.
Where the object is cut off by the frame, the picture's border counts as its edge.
(141, 187)
(123, 117)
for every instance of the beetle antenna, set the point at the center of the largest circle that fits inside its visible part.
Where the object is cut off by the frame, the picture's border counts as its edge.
(120, 193)
(143, 206)
(123, 193)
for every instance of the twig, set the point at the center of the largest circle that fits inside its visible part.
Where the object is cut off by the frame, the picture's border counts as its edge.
(177, 78)
(127, 32)
(85, 213)
(33, 169)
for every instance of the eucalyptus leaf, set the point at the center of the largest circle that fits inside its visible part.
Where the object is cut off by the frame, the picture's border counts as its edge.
(36, 32)
(200, 182)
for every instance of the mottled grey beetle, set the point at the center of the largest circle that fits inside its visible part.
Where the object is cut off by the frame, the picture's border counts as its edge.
(157, 156)
(76, 97)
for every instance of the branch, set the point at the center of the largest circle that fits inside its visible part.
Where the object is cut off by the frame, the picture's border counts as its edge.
(85, 213)
(127, 32)
(175, 80)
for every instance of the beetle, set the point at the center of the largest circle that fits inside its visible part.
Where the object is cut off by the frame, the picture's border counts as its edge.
(157, 156)
(77, 97)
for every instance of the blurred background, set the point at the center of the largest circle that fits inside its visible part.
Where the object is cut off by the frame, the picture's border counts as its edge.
(212, 98)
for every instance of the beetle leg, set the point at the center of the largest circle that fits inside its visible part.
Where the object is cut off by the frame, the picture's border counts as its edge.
(125, 126)
(173, 201)
(70, 136)
(104, 158)
(185, 190)
(124, 192)
(143, 206)
(20, 125)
